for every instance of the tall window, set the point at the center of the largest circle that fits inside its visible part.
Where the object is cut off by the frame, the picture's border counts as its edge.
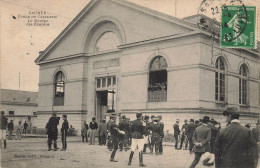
(157, 89)
(243, 72)
(220, 80)
(59, 89)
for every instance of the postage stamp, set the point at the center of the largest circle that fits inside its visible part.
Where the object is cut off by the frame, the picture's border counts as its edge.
(238, 26)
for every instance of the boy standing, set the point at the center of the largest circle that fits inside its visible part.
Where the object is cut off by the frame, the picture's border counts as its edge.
(64, 131)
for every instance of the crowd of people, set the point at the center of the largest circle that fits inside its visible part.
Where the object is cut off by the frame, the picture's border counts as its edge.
(234, 146)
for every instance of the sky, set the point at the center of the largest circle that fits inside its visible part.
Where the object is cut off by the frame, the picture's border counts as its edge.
(20, 44)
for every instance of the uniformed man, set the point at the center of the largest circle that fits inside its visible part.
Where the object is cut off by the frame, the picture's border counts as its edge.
(52, 131)
(183, 135)
(156, 129)
(115, 132)
(109, 139)
(64, 131)
(3, 129)
(124, 126)
(176, 133)
(161, 134)
(137, 132)
(147, 132)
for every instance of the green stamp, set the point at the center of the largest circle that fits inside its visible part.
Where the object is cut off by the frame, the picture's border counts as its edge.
(238, 27)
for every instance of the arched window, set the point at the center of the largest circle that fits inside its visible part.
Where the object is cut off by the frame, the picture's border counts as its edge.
(59, 89)
(157, 89)
(243, 72)
(220, 80)
(107, 41)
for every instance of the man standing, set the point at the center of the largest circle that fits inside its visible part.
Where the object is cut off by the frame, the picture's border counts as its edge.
(3, 129)
(125, 127)
(233, 143)
(183, 135)
(201, 139)
(146, 135)
(176, 132)
(10, 127)
(52, 131)
(64, 131)
(161, 134)
(137, 131)
(93, 128)
(189, 132)
(102, 132)
(115, 132)
(155, 128)
(19, 131)
(25, 125)
(84, 131)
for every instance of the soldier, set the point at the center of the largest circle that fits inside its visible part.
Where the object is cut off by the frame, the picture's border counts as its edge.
(190, 130)
(124, 126)
(52, 131)
(146, 135)
(3, 128)
(137, 131)
(156, 129)
(109, 139)
(115, 132)
(161, 134)
(64, 131)
(176, 132)
(183, 135)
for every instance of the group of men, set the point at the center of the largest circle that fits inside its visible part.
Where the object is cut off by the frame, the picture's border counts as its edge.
(52, 131)
(9, 128)
(234, 146)
(136, 130)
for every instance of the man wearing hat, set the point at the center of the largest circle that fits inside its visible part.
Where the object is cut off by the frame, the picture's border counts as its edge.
(146, 135)
(190, 130)
(155, 128)
(183, 135)
(176, 132)
(3, 124)
(64, 132)
(52, 131)
(93, 128)
(201, 139)
(124, 126)
(115, 132)
(137, 130)
(233, 143)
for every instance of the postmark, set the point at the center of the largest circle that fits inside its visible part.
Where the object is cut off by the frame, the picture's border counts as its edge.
(238, 26)
(214, 16)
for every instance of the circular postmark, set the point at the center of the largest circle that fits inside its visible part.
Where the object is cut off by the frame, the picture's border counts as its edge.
(212, 13)
(233, 23)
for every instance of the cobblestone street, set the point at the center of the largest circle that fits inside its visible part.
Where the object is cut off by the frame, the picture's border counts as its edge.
(32, 153)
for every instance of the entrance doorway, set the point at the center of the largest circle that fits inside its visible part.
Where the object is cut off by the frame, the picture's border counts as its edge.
(105, 103)
(105, 96)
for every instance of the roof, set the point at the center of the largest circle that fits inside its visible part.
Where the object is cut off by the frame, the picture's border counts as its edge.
(149, 11)
(17, 96)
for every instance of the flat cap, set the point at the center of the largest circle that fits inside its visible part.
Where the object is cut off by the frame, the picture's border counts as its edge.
(138, 114)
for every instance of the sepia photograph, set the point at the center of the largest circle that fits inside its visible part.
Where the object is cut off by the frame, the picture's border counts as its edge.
(129, 83)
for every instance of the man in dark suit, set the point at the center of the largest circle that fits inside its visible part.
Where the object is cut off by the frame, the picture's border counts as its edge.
(256, 136)
(233, 143)
(201, 138)
(190, 130)
(177, 131)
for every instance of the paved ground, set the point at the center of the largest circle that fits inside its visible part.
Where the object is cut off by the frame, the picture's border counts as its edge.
(32, 153)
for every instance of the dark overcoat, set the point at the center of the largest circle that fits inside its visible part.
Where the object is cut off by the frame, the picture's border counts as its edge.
(232, 147)
(202, 134)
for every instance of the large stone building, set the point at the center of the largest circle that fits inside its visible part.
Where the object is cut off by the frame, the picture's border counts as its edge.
(116, 56)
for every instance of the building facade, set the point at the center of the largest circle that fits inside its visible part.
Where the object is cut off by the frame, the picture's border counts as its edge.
(119, 57)
(19, 106)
